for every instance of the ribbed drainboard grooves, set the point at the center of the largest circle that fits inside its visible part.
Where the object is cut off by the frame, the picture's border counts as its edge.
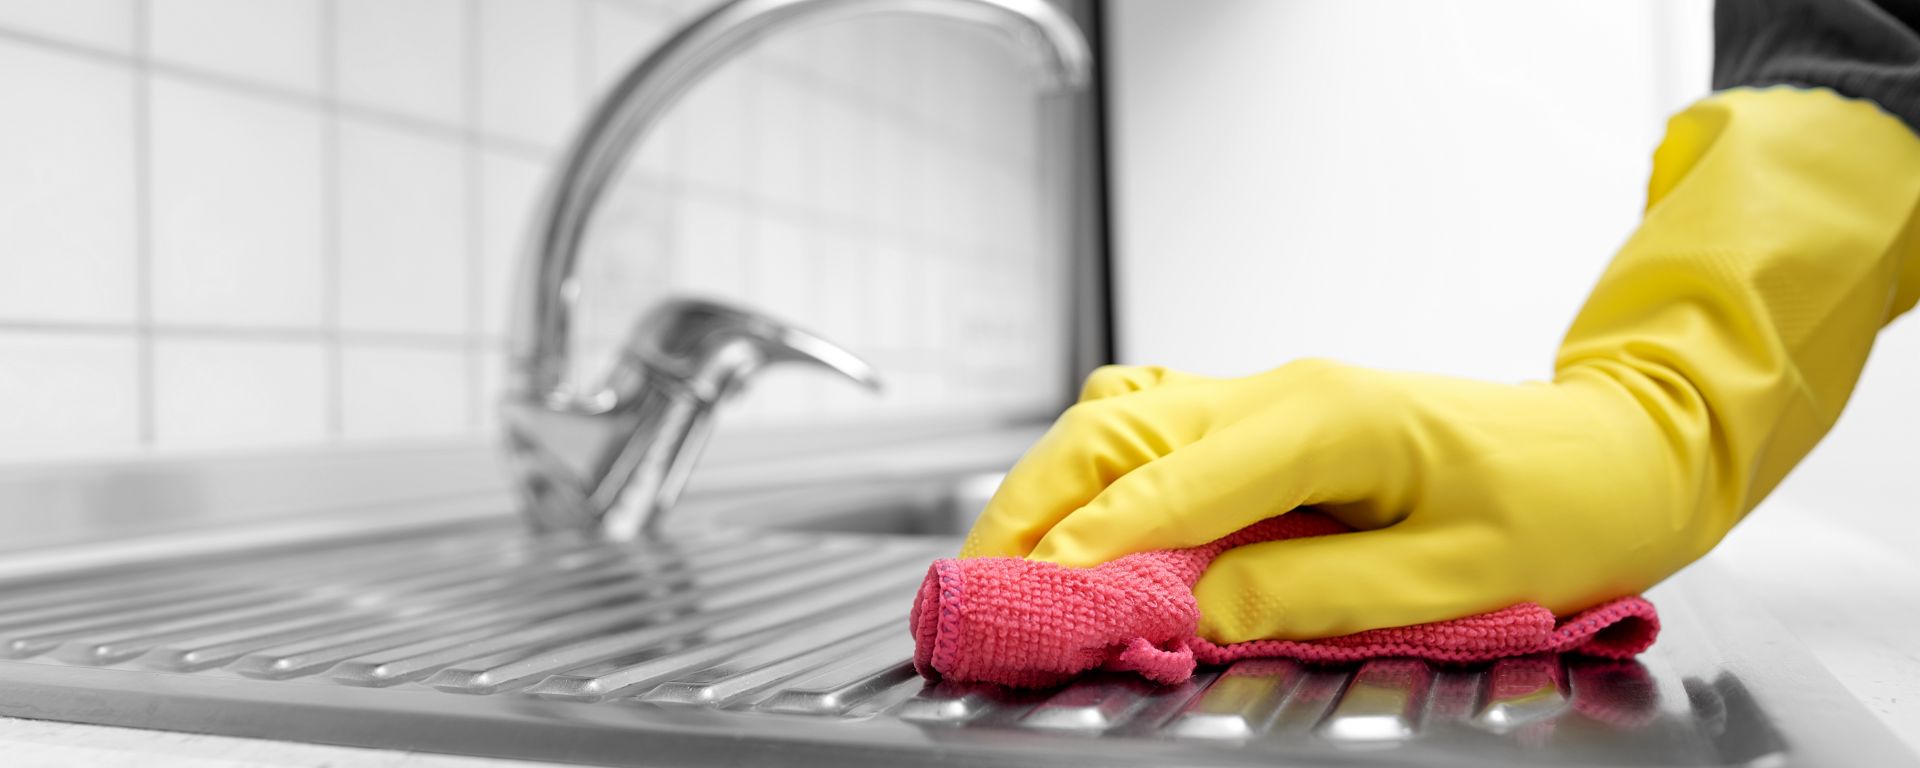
(1241, 703)
(760, 627)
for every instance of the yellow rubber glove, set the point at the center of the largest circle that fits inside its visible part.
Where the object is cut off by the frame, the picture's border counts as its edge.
(1715, 351)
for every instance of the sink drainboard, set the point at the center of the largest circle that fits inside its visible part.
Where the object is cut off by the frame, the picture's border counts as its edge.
(784, 648)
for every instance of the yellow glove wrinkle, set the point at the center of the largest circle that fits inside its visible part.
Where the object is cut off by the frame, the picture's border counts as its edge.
(1758, 279)
(1719, 346)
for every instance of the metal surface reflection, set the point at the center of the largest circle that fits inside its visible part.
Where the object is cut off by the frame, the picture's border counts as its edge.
(791, 647)
(608, 459)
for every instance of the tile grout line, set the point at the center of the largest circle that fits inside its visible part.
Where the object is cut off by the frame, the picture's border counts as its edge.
(820, 85)
(399, 121)
(429, 129)
(145, 383)
(476, 341)
(303, 334)
(330, 221)
(475, 229)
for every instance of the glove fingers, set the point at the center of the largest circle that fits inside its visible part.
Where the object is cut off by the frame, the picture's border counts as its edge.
(1301, 451)
(1112, 380)
(1303, 589)
(1090, 446)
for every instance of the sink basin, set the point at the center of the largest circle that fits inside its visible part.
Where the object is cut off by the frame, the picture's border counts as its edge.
(730, 645)
(938, 505)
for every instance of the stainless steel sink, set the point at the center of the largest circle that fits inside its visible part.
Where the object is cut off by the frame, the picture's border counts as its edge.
(937, 505)
(731, 645)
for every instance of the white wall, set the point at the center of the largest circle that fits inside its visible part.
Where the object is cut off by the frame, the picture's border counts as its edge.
(228, 225)
(1420, 185)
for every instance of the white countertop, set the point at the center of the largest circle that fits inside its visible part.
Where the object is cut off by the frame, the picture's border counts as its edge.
(40, 743)
(1853, 599)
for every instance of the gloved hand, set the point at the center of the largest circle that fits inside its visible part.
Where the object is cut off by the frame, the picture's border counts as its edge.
(1716, 350)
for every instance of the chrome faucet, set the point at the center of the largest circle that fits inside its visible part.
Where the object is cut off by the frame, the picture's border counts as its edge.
(610, 458)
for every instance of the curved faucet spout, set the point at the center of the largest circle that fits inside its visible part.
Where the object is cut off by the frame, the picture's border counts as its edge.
(632, 107)
(609, 456)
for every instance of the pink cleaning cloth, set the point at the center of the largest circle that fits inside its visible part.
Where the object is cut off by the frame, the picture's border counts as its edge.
(1034, 624)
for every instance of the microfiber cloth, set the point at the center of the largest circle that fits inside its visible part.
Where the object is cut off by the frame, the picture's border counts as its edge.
(1034, 624)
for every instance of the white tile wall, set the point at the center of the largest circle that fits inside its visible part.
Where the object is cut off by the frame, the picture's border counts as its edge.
(403, 231)
(401, 392)
(716, 242)
(102, 23)
(509, 187)
(530, 69)
(627, 257)
(66, 189)
(222, 394)
(244, 223)
(68, 395)
(407, 56)
(272, 42)
(238, 218)
(725, 111)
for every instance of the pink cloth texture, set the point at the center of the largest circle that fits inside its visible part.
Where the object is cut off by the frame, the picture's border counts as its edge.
(1034, 624)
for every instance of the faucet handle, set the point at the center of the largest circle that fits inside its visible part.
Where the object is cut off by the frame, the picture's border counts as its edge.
(612, 461)
(709, 349)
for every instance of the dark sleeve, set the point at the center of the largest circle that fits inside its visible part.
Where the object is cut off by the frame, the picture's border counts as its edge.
(1865, 49)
